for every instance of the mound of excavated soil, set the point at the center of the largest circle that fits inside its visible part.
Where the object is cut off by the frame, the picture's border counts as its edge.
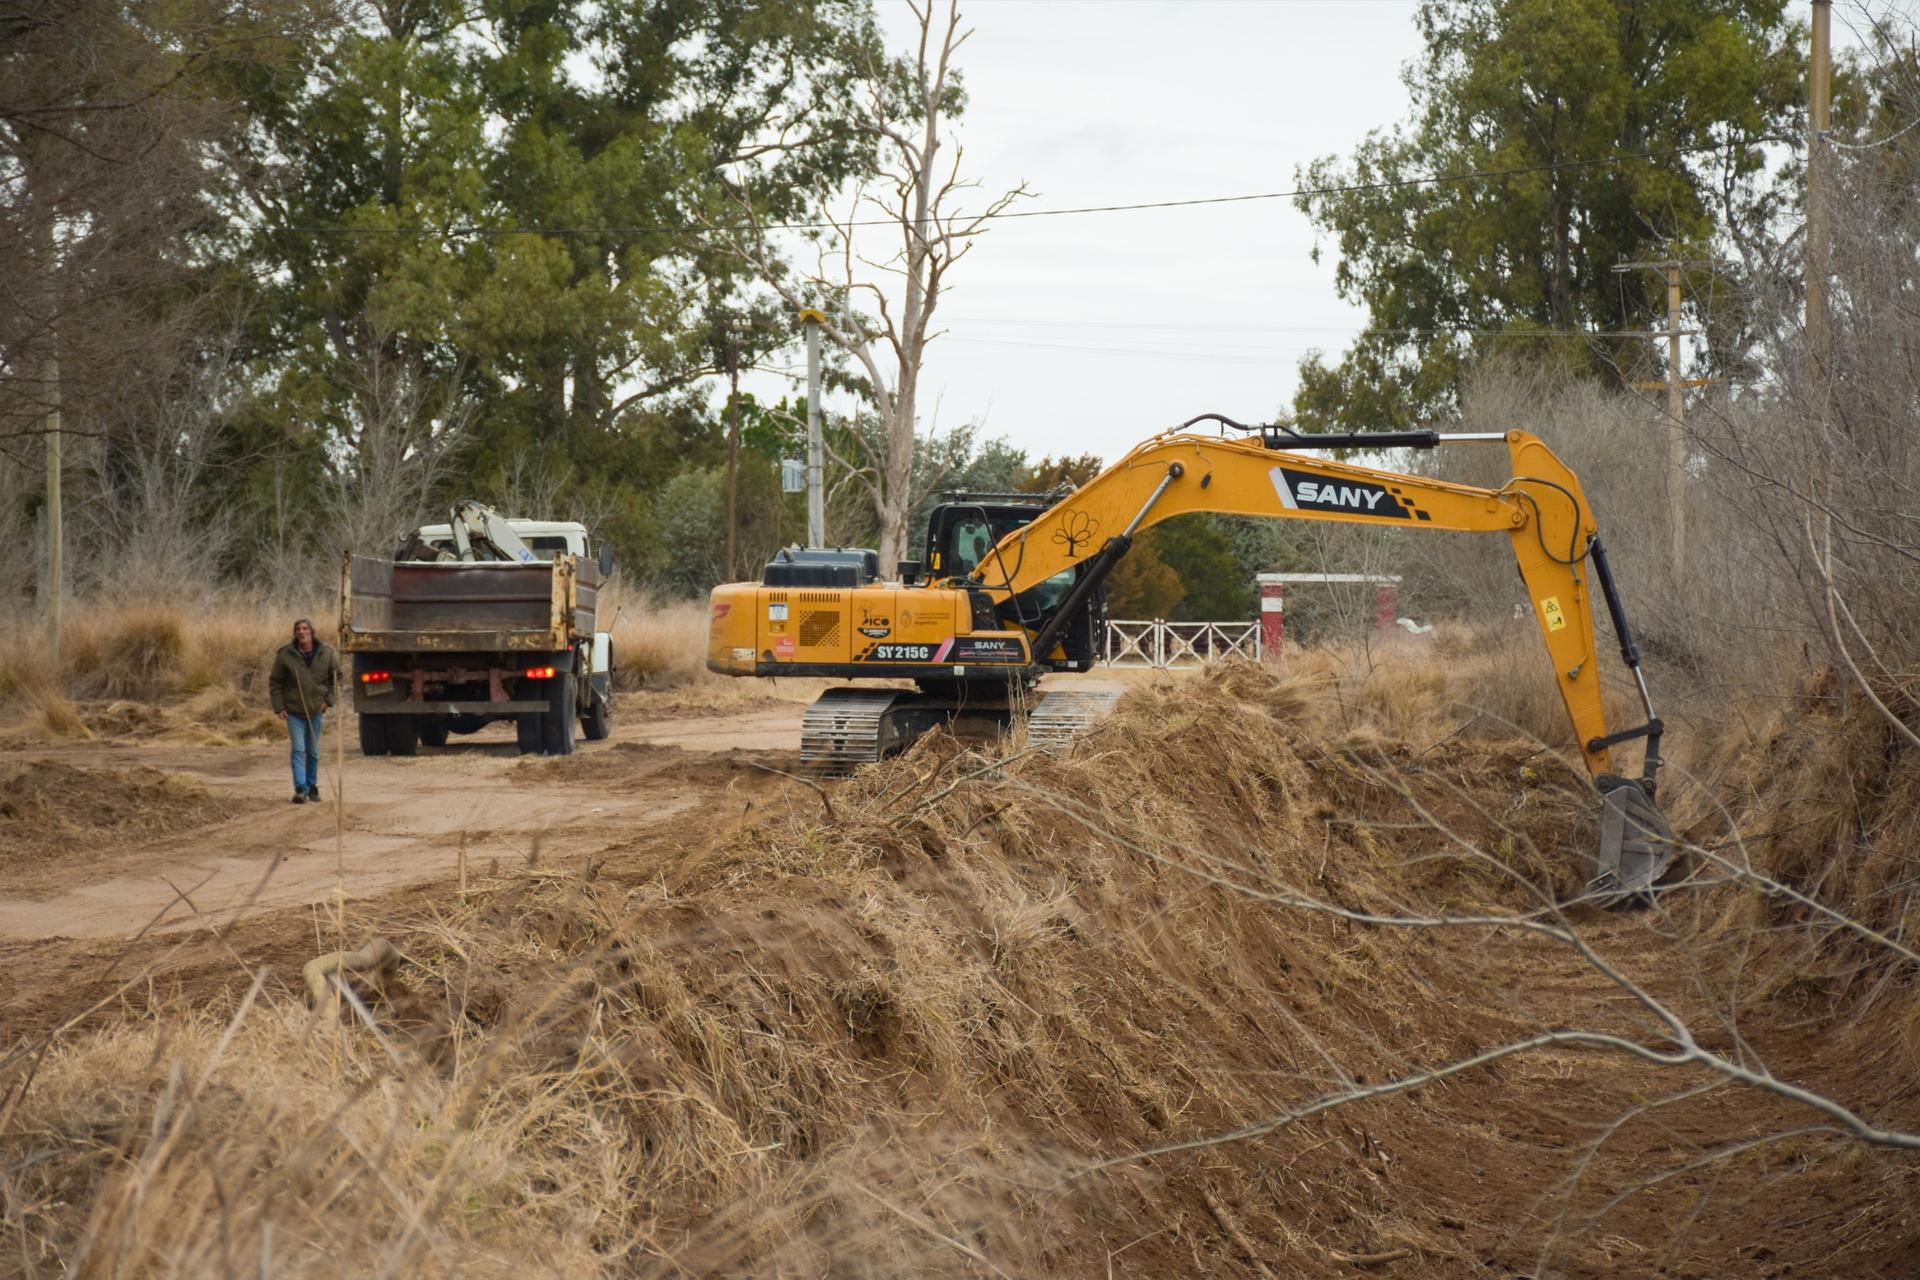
(52, 812)
(1112, 1012)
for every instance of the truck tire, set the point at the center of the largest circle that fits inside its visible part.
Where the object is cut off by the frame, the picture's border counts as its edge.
(556, 726)
(461, 722)
(373, 735)
(597, 721)
(526, 726)
(402, 737)
(432, 730)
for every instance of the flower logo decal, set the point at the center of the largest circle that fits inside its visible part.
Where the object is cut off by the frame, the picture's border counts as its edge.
(1076, 530)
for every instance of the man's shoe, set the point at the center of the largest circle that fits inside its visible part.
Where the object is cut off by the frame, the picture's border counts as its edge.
(299, 797)
(313, 794)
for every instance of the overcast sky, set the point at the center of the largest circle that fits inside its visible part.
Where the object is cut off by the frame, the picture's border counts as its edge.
(1087, 333)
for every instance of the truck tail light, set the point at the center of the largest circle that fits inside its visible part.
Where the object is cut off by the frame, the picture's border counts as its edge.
(374, 677)
(539, 673)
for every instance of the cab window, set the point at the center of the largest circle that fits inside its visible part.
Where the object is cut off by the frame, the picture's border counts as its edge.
(969, 541)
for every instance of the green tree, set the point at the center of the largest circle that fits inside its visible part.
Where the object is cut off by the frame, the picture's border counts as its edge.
(1143, 585)
(1198, 549)
(1631, 130)
(1049, 473)
(508, 202)
(687, 513)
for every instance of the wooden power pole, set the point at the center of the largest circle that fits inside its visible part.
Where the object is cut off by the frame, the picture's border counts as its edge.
(56, 541)
(733, 454)
(1675, 386)
(1819, 177)
(816, 448)
(1676, 424)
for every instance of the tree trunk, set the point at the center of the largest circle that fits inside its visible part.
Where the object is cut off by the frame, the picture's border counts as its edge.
(897, 497)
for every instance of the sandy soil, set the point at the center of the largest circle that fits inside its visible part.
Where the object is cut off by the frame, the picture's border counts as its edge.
(404, 821)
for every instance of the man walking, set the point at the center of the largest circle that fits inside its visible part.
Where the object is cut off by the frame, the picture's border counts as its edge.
(305, 674)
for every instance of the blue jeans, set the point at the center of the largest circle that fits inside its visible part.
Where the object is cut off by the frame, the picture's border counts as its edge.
(305, 732)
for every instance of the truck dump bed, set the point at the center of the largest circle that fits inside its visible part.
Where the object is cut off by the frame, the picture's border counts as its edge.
(484, 606)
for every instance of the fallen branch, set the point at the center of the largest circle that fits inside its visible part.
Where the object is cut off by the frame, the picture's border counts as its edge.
(1234, 1233)
(1369, 1259)
(378, 956)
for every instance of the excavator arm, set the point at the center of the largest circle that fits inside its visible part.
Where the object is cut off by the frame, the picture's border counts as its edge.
(1542, 510)
(481, 533)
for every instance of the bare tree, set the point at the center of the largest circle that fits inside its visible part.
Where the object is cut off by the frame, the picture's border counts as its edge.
(404, 426)
(154, 522)
(908, 112)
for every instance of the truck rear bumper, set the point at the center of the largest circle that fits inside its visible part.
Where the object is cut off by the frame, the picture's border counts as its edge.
(396, 707)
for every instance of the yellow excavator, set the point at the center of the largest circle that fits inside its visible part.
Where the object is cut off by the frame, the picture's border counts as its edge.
(1013, 587)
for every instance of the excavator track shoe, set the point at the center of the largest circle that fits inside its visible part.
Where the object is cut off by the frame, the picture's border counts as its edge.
(1636, 844)
(846, 728)
(1063, 715)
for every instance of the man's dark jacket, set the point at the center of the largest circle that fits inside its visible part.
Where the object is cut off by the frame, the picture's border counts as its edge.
(303, 684)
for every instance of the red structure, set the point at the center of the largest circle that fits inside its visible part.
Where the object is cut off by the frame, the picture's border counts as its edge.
(1273, 617)
(1386, 605)
(1273, 602)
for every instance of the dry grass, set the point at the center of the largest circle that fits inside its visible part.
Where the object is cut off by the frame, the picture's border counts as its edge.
(146, 653)
(1820, 793)
(892, 1042)
(657, 644)
(146, 671)
(1487, 682)
(151, 670)
(59, 718)
(830, 1048)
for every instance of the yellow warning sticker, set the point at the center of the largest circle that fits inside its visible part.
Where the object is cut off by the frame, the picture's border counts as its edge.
(1551, 614)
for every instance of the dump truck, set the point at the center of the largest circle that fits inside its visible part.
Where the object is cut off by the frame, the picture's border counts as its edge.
(473, 621)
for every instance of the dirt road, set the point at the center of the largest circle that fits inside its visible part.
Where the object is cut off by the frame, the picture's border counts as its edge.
(668, 774)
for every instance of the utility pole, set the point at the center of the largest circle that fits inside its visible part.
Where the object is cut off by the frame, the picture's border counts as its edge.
(44, 233)
(1676, 425)
(733, 451)
(1819, 177)
(1676, 406)
(56, 570)
(816, 461)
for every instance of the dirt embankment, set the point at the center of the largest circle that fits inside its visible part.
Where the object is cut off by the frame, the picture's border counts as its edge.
(1110, 1013)
(55, 816)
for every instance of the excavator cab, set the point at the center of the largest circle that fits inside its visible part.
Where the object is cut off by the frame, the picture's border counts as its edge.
(965, 543)
(964, 529)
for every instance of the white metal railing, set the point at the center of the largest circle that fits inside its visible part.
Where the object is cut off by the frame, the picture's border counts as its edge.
(1167, 645)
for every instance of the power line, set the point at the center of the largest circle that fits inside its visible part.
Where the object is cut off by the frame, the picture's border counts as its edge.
(1352, 188)
(1358, 331)
(1832, 141)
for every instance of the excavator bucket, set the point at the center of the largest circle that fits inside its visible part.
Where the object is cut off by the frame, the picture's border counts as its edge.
(1636, 843)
